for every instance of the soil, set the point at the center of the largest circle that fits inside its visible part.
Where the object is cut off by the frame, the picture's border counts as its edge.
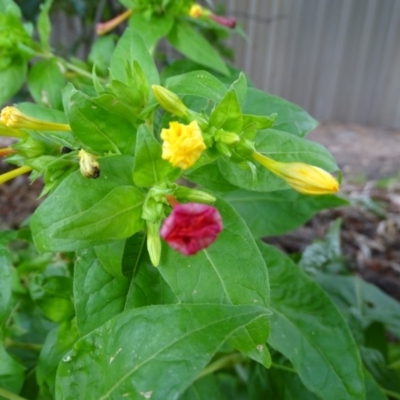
(371, 225)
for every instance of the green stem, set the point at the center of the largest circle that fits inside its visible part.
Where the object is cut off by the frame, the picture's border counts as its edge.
(283, 368)
(223, 362)
(21, 345)
(10, 396)
(394, 395)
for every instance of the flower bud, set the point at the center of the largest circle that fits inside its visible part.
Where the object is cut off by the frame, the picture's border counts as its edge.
(226, 137)
(6, 151)
(14, 118)
(104, 27)
(304, 178)
(14, 173)
(153, 242)
(88, 165)
(223, 149)
(184, 193)
(169, 101)
(191, 227)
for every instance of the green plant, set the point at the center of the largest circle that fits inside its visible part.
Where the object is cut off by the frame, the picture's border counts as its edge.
(106, 308)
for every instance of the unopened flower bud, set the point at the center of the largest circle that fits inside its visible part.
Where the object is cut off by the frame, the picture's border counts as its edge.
(153, 242)
(223, 149)
(304, 178)
(191, 227)
(226, 137)
(14, 173)
(104, 27)
(6, 151)
(184, 193)
(88, 164)
(14, 118)
(169, 101)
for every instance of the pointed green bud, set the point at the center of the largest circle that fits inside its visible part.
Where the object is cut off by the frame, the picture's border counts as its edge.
(183, 193)
(223, 149)
(226, 137)
(169, 101)
(154, 242)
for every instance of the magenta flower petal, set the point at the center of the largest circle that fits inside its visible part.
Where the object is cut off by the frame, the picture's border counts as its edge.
(191, 227)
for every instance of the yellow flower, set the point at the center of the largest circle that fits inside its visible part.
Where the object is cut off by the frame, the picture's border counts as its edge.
(182, 144)
(88, 165)
(13, 118)
(169, 101)
(196, 11)
(14, 173)
(304, 178)
(103, 27)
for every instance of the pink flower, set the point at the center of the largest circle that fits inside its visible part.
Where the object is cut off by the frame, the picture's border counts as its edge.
(191, 227)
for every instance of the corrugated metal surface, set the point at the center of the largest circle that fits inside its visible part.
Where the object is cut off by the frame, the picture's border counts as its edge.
(338, 59)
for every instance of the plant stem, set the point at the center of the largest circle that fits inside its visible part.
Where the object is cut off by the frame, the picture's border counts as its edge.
(21, 345)
(223, 362)
(394, 395)
(283, 368)
(10, 396)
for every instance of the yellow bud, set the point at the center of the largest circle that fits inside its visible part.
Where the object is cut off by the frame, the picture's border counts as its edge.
(88, 165)
(14, 118)
(14, 173)
(182, 144)
(196, 11)
(169, 101)
(304, 178)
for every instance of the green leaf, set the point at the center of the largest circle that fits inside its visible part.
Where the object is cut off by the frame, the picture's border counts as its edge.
(308, 330)
(44, 25)
(194, 46)
(210, 177)
(45, 82)
(130, 48)
(110, 256)
(101, 52)
(240, 87)
(149, 168)
(354, 296)
(197, 83)
(206, 388)
(5, 284)
(154, 351)
(223, 275)
(280, 146)
(11, 372)
(99, 296)
(372, 389)
(100, 123)
(12, 78)
(58, 342)
(58, 209)
(275, 213)
(53, 295)
(277, 384)
(388, 379)
(151, 29)
(227, 115)
(291, 118)
(115, 216)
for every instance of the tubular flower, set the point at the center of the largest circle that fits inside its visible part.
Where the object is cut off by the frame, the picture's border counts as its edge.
(197, 11)
(6, 151)
(88, 165)
(191, 227)
(103, 27)
(304, 178)
(13, 118)
(182, 144)
(14, 173)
